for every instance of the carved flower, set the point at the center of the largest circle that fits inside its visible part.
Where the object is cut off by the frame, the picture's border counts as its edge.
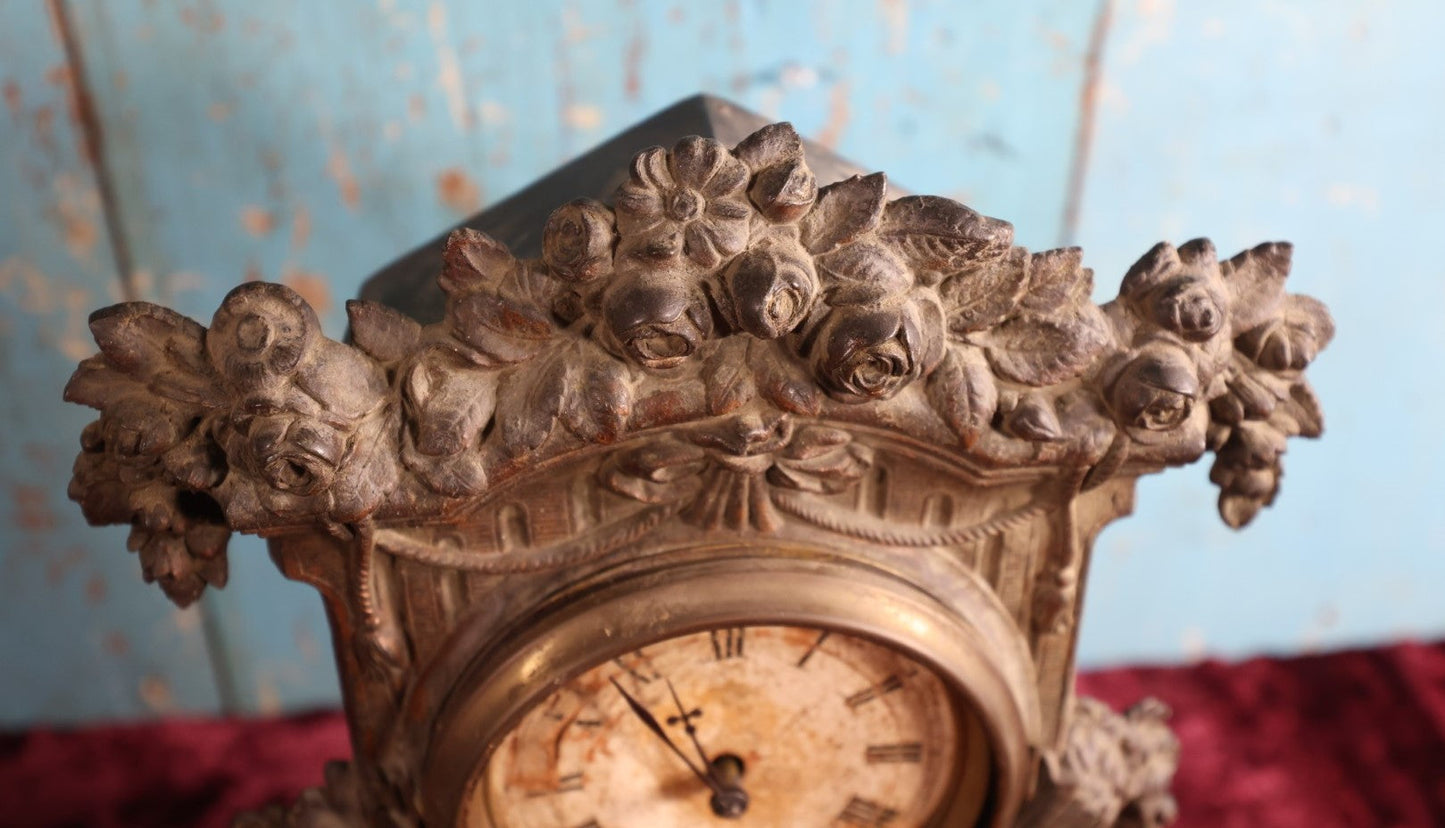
(657, 319)
(577, 241)
(771, 288)
(294, 454)
(1190, 308)
(864, 353)
(1157, 390)
(261, 331)
(692, 201)
(726, 471)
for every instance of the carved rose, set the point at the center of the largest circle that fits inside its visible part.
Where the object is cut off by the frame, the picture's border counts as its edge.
(577, 241)
(1157, 390)
(1190, 308)
(294, 454)
(864, 353)
(691, 201)
(261, 331)
(657, 320)
(771, 288)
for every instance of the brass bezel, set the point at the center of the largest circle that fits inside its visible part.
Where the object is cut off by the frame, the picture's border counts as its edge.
(732, 586)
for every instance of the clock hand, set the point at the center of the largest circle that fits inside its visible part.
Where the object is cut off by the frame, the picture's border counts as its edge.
(656, 727)
(688, 727)
(728, 797)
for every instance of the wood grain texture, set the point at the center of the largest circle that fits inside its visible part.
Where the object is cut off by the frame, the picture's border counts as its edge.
(80, 636)
(1314, 122)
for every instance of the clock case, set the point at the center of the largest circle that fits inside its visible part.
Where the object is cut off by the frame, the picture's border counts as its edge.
(754, 385)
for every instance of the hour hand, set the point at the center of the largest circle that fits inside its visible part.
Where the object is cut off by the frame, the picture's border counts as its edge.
(656, 727)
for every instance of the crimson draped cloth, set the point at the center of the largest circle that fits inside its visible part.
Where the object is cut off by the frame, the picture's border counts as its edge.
(1351, 739)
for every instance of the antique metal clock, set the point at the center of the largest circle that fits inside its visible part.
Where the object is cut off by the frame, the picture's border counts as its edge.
(753, 495)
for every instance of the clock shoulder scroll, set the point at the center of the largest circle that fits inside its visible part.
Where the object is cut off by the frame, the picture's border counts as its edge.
(725, 330)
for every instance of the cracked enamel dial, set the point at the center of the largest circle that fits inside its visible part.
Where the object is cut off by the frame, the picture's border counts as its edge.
(745, 726)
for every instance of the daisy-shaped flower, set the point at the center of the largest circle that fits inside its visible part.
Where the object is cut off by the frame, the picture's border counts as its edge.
(692, 201)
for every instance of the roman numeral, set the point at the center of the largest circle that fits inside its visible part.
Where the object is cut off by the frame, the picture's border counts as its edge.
(868, 694)
(822, 636)
(727, 643)
(866, 813)
(902, 752)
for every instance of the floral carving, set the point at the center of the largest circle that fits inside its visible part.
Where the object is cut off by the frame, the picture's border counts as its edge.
(722, 289)
(1114, 770)
(691, 201)
(725, 471)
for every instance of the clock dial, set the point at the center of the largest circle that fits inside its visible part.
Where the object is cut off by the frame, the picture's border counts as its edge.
(748, 726)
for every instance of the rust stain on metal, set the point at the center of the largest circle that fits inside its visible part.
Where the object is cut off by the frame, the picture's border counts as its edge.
(45, 128)
(636, 48)
(11, 93)
(206, 21)
(96, 589)
(116, 643)
(458, 192)
(313, 287)
(300, 228)
(338, 166)
(838, 115)
(32, 508)
(258, 221)
(76, 204)
(155, 693)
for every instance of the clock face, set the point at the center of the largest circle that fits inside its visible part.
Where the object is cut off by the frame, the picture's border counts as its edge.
(746, 726)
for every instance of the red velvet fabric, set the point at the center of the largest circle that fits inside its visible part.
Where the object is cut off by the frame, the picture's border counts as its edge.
(1353, 739)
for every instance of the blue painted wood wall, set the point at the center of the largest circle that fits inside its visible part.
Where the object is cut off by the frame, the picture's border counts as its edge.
(168, 150)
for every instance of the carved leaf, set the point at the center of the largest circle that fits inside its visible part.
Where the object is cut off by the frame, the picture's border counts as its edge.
(1290, 342)
(450, 401)
(964, 392)
(1256, 281)
(528, 404)
(773, 144)
(472, 260)
(782, 382)
(934, 233)
(981, 297)
(599, 399)
(1034, 419)
(150, 345)
(844, 211)
(1057, 278)
(387, 335)
(502, 329)
(728, 375)
(1304, 408)
(1044, 350)
(863, 272)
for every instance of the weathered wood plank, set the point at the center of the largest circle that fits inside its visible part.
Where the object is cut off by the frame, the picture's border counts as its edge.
(313, 142)
(1318, 123)
(80, 636)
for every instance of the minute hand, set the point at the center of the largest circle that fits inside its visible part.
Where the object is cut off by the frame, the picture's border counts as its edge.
(656, 727)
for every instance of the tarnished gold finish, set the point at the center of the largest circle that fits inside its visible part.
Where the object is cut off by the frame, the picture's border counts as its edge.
(720, 587)
(735, 395)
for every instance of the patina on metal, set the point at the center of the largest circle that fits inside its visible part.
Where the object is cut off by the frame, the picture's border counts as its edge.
(735, 382)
